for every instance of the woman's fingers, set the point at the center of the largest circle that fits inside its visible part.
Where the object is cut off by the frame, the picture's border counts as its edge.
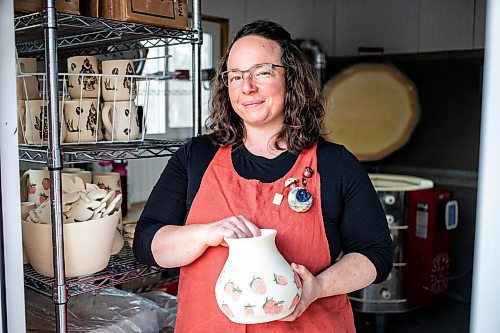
(251, 230)
(231, 227)
(302, 271)
(238, 225)
(254, 230)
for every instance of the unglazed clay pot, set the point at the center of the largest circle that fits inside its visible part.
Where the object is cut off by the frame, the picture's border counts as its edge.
(257, 284)
(87, 245)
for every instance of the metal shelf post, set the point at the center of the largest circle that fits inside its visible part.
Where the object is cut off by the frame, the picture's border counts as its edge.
(196, 67)
(54, 163)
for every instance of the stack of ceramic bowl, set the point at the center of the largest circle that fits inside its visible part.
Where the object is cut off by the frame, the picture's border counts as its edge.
(90, 219)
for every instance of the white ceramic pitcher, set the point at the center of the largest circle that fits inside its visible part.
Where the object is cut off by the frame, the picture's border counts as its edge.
(257, 284)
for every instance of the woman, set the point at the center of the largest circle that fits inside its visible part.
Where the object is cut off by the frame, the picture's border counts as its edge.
(265, 129)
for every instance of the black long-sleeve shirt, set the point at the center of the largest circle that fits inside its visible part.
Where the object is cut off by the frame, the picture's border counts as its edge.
(353, 216)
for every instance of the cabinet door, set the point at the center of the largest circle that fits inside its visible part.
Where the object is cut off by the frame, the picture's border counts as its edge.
(479, 23)
(446, 25)
(391, 24)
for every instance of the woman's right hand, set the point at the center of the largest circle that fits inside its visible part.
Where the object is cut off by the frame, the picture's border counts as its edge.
(230, 227)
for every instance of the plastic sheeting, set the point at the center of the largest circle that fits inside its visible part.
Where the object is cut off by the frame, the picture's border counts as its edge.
(109, 310)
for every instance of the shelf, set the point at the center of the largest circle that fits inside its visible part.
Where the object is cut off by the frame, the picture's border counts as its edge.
(95, 35)
(122, 267)
(73, 153)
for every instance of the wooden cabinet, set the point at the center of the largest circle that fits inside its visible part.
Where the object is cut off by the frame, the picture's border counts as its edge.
(446, 25)
(407, 26)
(391, 24)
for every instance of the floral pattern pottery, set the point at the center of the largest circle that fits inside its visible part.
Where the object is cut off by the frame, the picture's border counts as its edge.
(257, 284)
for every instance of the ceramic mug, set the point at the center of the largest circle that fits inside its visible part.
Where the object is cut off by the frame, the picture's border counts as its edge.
(27, 85)
(35, 186)
(26, 65)
(119, 86)
(81, 82)
(82, 121)
(109, 181)
(36, 126)
(120, 120)
(85, 175)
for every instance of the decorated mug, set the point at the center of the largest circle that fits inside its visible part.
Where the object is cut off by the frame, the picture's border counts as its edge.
(120, 120)
(26, 84)
(82, 120)
(118, 85)
(81, 81)
(36, 122)
(35, 186)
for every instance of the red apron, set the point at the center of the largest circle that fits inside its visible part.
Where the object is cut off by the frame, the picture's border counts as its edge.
(224, 193)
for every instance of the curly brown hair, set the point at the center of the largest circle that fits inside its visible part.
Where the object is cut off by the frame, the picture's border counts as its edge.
(304, 109)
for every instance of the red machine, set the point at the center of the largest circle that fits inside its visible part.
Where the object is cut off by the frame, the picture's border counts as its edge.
(432, 213)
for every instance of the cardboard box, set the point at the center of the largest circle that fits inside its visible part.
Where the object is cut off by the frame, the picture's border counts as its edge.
(68, 6)
(90, 8)
(29, 6)
(168, 13)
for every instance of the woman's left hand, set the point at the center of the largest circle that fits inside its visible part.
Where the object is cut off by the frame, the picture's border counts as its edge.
(310, 291)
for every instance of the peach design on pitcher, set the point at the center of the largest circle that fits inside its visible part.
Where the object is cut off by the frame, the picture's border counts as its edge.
(272, 307)
(248, 310)
(295, 301)
(258, 285)
(296, 280)
(232, 291)
(227, 310)
(280, 279)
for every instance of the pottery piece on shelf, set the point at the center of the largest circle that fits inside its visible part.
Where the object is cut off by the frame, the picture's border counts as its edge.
(257, 284)
(72, 183)
(87, 245)
(113, 205)
(117, 243)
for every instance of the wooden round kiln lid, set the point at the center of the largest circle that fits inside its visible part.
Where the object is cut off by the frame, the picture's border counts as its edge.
(371, 109)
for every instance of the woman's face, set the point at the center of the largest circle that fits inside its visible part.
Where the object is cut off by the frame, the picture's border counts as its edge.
(259, 103)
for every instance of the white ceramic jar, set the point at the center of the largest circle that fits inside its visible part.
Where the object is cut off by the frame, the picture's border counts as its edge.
(257, 284)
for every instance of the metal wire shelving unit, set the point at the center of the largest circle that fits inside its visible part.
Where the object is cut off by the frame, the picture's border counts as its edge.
(122, 268)
(95, 34)
(47, 35)
(101, 151)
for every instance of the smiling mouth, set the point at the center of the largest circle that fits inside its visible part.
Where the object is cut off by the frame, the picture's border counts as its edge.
(252, 103)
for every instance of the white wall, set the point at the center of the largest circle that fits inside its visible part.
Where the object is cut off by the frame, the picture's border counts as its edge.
(399, 26)
(486, 293)
(303, 19)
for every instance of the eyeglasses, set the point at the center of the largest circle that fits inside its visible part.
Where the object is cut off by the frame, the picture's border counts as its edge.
(260, 73)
